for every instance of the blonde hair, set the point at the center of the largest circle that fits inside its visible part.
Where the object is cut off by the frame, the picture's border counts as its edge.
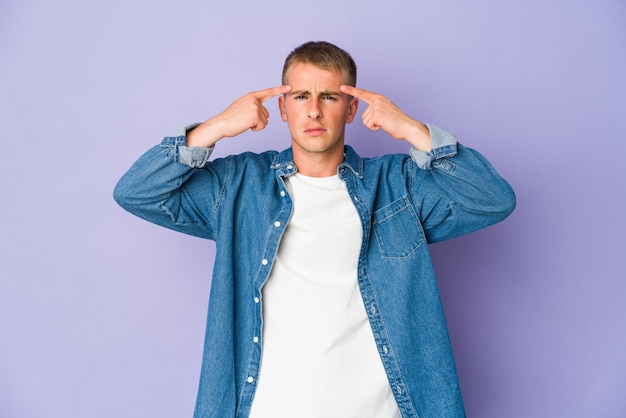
(323, 55)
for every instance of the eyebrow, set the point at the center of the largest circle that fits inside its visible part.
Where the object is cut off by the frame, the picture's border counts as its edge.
(321, 93)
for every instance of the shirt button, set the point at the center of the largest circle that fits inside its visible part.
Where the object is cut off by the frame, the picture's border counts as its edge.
(277, 224)
(289, 167)
(373, 309)
(264, 261)
(385, 349)
(356, 199)
(250, 379)
(255, 339)
(282, 193)
(256, 300)
(398, 388)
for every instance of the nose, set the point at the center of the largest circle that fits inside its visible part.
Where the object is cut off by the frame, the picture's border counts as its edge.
(314, 111)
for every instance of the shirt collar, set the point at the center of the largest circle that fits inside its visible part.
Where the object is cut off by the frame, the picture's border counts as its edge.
(284, 165)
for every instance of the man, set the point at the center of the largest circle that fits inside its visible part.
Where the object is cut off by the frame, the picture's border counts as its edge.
(323, 300)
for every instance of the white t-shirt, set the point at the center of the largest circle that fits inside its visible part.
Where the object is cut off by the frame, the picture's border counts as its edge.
(319, 355)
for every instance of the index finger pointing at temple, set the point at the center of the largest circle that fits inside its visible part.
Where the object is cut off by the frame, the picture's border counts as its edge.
(359, 93)
(268, 93)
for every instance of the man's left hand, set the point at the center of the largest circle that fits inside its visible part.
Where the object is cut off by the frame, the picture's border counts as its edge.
(382, 113)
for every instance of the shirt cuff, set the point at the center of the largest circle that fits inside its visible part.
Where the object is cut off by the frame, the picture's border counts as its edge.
(443, 144)
(194, 157)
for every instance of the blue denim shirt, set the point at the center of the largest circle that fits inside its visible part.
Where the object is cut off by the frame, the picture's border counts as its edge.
(404, 202)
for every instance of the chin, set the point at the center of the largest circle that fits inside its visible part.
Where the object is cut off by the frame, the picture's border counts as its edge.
(317, 146)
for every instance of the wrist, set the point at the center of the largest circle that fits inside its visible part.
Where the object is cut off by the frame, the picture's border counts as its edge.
(204, 135)
(419, 137)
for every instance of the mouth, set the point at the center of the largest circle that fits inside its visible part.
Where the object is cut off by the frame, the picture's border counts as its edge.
(314, 130)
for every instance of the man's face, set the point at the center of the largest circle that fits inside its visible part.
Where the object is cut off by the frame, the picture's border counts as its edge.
(315, 110)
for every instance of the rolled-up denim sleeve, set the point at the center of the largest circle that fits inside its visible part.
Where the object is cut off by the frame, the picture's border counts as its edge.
(443, 144)
(173, 186)
(194, 157)
(456, 189)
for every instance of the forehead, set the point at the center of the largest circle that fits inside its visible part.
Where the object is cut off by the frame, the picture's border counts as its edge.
(305, 74)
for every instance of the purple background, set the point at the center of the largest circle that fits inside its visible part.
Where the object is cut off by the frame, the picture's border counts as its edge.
(102, 314)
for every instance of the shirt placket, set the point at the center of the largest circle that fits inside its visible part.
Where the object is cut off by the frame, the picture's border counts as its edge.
(278, 227)
(374, 313)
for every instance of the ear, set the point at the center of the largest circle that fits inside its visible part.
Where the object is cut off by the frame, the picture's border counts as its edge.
(281, 107)
(352, 108)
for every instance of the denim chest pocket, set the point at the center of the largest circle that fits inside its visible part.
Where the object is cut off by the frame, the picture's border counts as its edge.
(397, 229)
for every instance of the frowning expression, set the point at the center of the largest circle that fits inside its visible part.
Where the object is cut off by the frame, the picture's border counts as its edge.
(315, 110)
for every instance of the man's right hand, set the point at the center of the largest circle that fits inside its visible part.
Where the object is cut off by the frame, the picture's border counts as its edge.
(245, 113)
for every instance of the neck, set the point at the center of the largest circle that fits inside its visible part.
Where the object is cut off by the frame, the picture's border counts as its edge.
(320, 164)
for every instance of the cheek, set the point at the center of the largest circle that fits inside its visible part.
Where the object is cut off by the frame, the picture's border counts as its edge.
(341, 115)
(291, 110)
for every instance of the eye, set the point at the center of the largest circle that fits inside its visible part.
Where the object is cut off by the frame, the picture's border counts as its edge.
(299, 97)
(329, 97)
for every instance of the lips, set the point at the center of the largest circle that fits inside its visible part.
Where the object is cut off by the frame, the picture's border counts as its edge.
(314, 130)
